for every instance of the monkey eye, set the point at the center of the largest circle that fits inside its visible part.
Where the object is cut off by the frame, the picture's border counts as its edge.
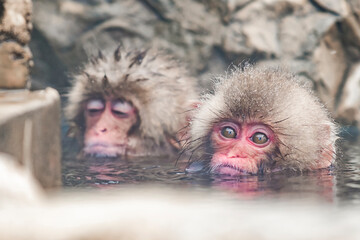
(122, 108)
(95, 105)
(228, 132)
(259, 138)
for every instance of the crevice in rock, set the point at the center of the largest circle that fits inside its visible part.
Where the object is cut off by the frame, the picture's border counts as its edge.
(322, 8)
(344, 43)
(2, 9)
(340, 89)
(154, 9)
(9, 36)
(240, 7)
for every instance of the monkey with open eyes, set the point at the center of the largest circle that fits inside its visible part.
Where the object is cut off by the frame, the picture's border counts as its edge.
(130, 103)
(261, 120)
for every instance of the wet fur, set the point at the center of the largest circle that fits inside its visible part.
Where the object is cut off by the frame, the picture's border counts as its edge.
(303, 128)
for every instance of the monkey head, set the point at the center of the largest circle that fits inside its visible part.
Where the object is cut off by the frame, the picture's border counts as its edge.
(130, 103)
(261, 120)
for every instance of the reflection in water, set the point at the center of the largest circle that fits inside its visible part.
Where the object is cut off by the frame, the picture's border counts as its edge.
(317, 184)
(348, 174)
(110, 173)
(340, 184)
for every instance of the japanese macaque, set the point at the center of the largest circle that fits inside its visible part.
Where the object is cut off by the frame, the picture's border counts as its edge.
(258, 121)
(130, 104)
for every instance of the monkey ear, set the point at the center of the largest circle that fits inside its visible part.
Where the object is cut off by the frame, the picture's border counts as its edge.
(194, 105)
(183, 134)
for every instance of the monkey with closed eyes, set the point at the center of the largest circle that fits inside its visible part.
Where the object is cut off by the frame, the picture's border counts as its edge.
(130, 103)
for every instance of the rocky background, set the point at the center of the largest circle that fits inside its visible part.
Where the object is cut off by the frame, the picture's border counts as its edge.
(317, 39)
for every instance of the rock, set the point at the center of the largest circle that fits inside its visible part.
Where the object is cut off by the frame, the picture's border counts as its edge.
(234, 41)
(17, 185)
(336, 7)
(30, 131)
(260, 40)
(14, 65)
(15, 56)
(15, 20)
(351, 26)
(348, 110)
(330, 60)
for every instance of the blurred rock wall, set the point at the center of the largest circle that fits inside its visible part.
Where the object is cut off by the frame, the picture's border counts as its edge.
(317, 39)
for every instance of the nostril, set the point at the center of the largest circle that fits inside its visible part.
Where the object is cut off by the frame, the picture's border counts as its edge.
(103, 130)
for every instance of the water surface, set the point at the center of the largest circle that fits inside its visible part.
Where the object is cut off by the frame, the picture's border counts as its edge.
(338, 185)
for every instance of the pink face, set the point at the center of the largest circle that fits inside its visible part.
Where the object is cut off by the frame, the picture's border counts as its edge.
(240, 147)
(107, 125)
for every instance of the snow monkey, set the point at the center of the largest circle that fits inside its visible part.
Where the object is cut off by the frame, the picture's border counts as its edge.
(260, 120)
(130, 103)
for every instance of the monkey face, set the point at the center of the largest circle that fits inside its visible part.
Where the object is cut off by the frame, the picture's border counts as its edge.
(108, 123)
(240, 147)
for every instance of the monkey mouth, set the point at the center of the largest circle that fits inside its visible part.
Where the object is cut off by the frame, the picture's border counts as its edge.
(230, 170)
(104, 150)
